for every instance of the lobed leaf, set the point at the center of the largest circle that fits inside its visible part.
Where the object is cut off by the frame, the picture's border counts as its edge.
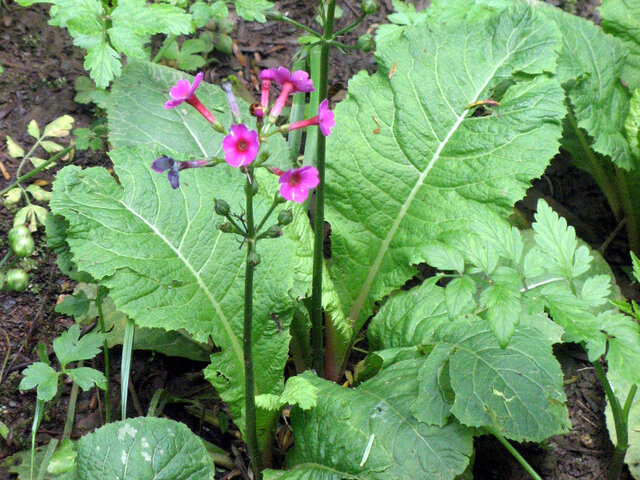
(621, 18)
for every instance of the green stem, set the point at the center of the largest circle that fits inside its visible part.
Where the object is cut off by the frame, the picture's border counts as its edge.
(249, 383)
(5, 258)
(630, 208)
(529, 469)
(266, 217)
(37, 418)
(348, 28)
(291, 21)
(297, 113)
(300, 346)
(317, 339)
(125, 365)
(620, 420)
(105, 348)
(39, 168)
(71, 409)
(165, 46)
(604, 179)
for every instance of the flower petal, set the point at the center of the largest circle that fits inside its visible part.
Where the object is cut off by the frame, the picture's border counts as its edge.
(196, 82)
(308, 177)
(174, 179)
(161, 164)
(180, 91)
(282, 75)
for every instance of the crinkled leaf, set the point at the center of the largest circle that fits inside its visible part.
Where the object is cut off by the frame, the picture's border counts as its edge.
(69, 347)
(144, 449)
(336, 432)
(632, 123)
(516, 389)
(409, 318)
(42, 376)
(502, 311)
(103, 63)
(621, 18)
(87, 377)
(252, 9)
(410, 152)
(307, 471)
(444, 257)
(623, 352)
(459, 296)
(173, 269)
(298, 391)
(590, 65)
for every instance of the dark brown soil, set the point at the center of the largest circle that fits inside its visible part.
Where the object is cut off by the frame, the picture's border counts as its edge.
(40, 67)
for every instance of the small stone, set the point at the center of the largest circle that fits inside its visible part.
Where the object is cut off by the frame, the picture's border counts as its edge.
(586, 441)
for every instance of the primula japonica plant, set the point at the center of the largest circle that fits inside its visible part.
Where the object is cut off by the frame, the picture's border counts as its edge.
(418, 170)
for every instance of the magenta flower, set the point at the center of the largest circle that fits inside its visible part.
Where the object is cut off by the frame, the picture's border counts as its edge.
(325, 120)
(183, 91)
(296, 183)
(240, 146)
(295, 82)
(167, 163)
(267, 77)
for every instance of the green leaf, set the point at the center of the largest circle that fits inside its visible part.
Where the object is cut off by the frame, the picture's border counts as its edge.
(60, 127)
(173, 269)
(410, 158)
(38, 193)
(33, 129)
(623, 353)
(74, 305)
(559, 245)
(103, 63)
(621, 386)
(589, 66)
(503, 311)
(444, 257)
(459, 296)
(636, 266)
(15, 150)
(69, 347)
(516, 389)
(63, 459)
(409, 318)
(298, 391)
(87, 377)
(43, 377)
(621, 18)
(336, 432)
(252, 9)
(4, 430)
(632, 123)
(144, 449)
(32, 215)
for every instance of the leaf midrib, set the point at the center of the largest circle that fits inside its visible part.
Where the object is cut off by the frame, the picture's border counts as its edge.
(235, 343)
(358, 304)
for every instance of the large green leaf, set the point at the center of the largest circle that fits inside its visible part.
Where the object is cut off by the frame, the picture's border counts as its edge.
(158, 250)
(144, 449)
(517, 389)
(410, 163)
(621, 18)
(335, 434)
(590, 65)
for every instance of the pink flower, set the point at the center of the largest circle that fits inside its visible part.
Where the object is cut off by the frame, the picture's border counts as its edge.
(240, 146)
(296, 183)
(267, 77)
(183, 91)
(325, 120)
(295, 82)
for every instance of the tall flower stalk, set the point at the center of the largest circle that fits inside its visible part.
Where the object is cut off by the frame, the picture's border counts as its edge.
(242, 150)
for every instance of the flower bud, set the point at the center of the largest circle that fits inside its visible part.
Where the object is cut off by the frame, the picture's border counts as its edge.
(251, 188)
(254, 258)
(369, 7)
(366, 42)
(273, 14)
(274, 231)
(221, 207)
(226, 228)
(285, 217)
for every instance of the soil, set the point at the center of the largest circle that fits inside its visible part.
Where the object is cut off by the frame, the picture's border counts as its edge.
(41, 65)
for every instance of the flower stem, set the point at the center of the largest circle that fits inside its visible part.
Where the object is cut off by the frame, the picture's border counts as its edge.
(529, 469)
(317, 339)
(291, 21)
(620, 420)
(348, 28)
(249, 385)
(163, 49)
(105, 348)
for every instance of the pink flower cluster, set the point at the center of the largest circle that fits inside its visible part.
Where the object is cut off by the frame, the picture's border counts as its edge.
(241, 145)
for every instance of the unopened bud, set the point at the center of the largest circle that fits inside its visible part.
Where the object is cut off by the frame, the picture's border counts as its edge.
(285, 217)
(221, 207)
(369, 7)
(254, 258)
(273, 14)
(366, 42)
(274, 231)
(226, 228)
(252, 188)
